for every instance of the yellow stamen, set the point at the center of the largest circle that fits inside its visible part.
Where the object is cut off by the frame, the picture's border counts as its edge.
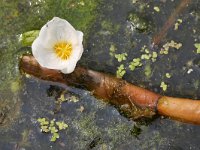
(63, 50)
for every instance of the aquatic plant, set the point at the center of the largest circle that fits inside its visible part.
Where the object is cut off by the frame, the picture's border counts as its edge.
(197, 45)
(50, 126)
(58, 46)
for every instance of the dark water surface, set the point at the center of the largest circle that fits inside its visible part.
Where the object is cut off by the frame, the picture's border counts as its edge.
(105, 25)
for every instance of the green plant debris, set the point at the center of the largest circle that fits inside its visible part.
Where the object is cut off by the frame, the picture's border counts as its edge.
(54, 137)
(144, 49)
(25, 137)
(154, 56)
(59, 102)
(134, 1)
(44, 129)
(138, 23)
(168, 75)
(135, 131)
(112, 50)
(163, 85)
(50, 126)
(61, 125)
(197, 45)
(135, 63)
(164, 51)
(27, 38)
(168, 45)
(62, 98)
(53, 129)
(178, 22)
(15, 86)
(120, 71)
(147, 55)
(81, 3)
(156, 8)
(121, 57)
(147, 70)
(52, 122)
(43, 121)
(73, 99)
(109, 26)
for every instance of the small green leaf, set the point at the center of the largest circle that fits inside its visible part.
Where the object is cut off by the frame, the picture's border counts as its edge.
(27, 38)
(147, 70)
(54, 137)
(163, 85)
(156, 8)
(121, 57)
(197, 45)
(45, 129)
(132, 67)
(136, 62)
(53, 129)
(73, 99)
(52, 122)
(43, 121)
(120, 71)
(168, 75)
(112, 50)
(61, 125)
(154, 55)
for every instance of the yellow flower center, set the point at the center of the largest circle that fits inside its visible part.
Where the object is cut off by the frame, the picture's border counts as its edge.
(63, 50)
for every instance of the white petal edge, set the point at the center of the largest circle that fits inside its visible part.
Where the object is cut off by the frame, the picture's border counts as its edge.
(80, 36)
(57, 30)
(69, 69)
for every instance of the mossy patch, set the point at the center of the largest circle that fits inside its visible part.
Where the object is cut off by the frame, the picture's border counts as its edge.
(28, 16)
(80, 13)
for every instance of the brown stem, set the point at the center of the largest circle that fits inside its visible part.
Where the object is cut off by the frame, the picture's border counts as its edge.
(185, 110)
(135, 101)
(170, 21)
(131, 99)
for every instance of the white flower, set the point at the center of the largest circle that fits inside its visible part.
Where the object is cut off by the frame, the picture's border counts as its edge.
(58, 46)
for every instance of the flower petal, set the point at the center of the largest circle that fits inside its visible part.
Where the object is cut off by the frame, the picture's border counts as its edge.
(72, 61)
(80, 36)
(77, 52)
(46, 57)
(57, 30)
(69, 69)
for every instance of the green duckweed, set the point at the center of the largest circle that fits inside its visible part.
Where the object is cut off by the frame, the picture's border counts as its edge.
(121, 57)
(197, 45)
(50, 126)
(163, 85)
(120, 71)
